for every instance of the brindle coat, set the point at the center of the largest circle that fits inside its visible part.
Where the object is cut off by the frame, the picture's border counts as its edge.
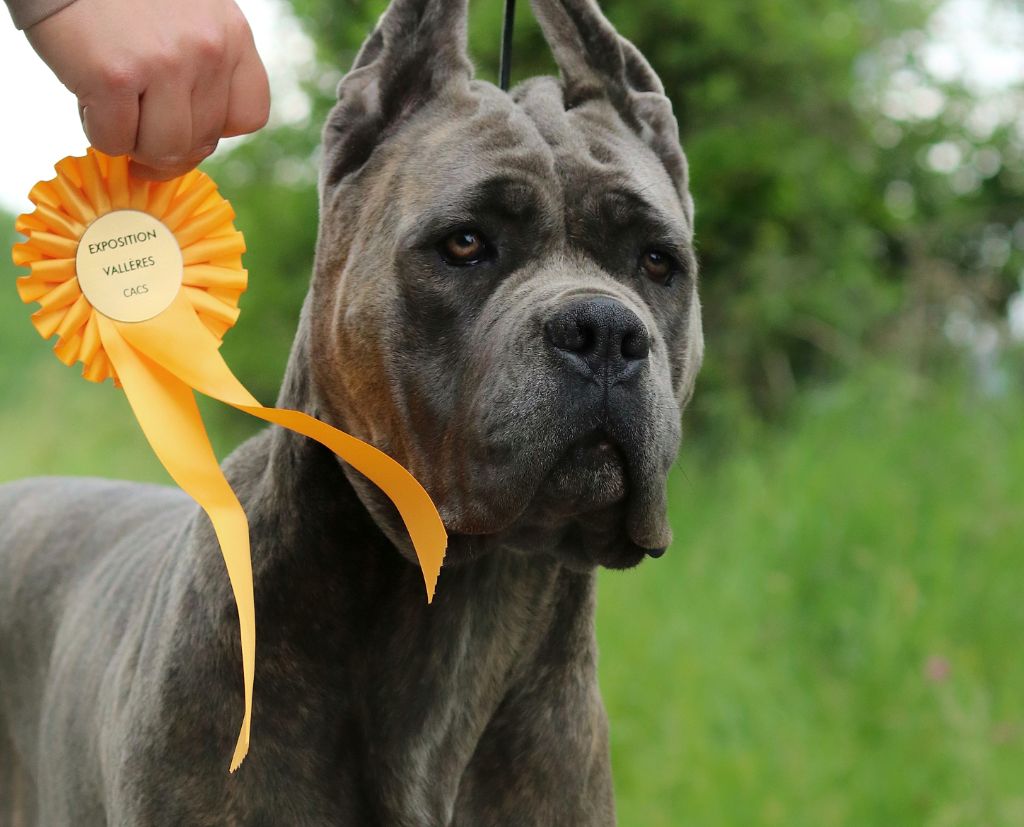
(535, 391)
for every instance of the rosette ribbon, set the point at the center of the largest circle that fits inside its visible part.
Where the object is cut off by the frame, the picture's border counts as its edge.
(150, 314)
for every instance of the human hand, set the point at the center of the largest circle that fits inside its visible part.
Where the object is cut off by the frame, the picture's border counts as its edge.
(161, 80)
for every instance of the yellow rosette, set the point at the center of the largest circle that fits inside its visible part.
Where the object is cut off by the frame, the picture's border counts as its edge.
(140, 281)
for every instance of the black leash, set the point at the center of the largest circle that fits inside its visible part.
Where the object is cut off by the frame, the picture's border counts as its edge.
(506, 44)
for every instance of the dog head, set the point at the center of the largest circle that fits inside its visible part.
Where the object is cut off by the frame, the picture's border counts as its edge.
(505, 290)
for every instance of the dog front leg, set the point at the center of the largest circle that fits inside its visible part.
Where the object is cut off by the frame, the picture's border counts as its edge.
(543, 761)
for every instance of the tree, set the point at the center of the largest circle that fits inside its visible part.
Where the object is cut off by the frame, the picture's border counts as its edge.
(820, 220)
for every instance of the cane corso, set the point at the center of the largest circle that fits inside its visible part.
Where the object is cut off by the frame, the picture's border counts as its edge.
(504, 300)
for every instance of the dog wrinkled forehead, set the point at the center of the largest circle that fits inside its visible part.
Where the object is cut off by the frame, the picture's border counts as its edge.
(415, 62)
(594, 148)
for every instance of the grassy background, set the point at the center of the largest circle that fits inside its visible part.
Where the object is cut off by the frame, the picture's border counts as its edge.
(834, 637)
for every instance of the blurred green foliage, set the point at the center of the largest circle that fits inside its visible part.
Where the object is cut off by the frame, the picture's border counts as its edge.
(832, 640)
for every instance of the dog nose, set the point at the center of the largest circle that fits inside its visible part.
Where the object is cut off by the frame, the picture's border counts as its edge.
(601, 336)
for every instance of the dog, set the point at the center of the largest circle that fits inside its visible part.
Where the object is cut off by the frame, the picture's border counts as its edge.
(505, 300)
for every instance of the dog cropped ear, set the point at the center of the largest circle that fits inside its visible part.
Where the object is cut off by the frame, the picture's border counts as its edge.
(417, 49)
(596, 62)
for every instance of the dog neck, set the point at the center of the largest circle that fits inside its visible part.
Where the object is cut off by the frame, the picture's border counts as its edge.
(304, 496)
(342, 617)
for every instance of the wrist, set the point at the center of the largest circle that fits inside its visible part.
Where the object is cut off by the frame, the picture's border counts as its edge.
(27, 13)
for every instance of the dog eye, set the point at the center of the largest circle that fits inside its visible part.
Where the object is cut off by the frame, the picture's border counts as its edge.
(658, 266)
(465, 247)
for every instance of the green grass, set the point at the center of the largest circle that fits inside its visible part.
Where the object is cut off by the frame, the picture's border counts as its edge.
(834, 638)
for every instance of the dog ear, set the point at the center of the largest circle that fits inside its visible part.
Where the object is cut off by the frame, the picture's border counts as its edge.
(598, 63)
(417, 49)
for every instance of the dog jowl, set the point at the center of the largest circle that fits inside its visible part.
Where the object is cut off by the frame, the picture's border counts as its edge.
(505, 301)
(514, 312)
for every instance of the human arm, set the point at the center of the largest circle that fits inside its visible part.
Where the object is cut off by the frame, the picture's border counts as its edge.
(160, 80)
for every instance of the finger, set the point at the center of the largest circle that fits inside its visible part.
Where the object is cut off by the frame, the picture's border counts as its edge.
(249, 98)
(111, 122)
(165, 129)
(210, 98)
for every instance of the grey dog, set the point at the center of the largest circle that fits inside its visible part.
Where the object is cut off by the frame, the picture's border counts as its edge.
(504, 300)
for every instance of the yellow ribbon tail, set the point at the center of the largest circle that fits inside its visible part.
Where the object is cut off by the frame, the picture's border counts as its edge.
(160, 362)
(181, 343)
(417, 511)
(167, 412)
